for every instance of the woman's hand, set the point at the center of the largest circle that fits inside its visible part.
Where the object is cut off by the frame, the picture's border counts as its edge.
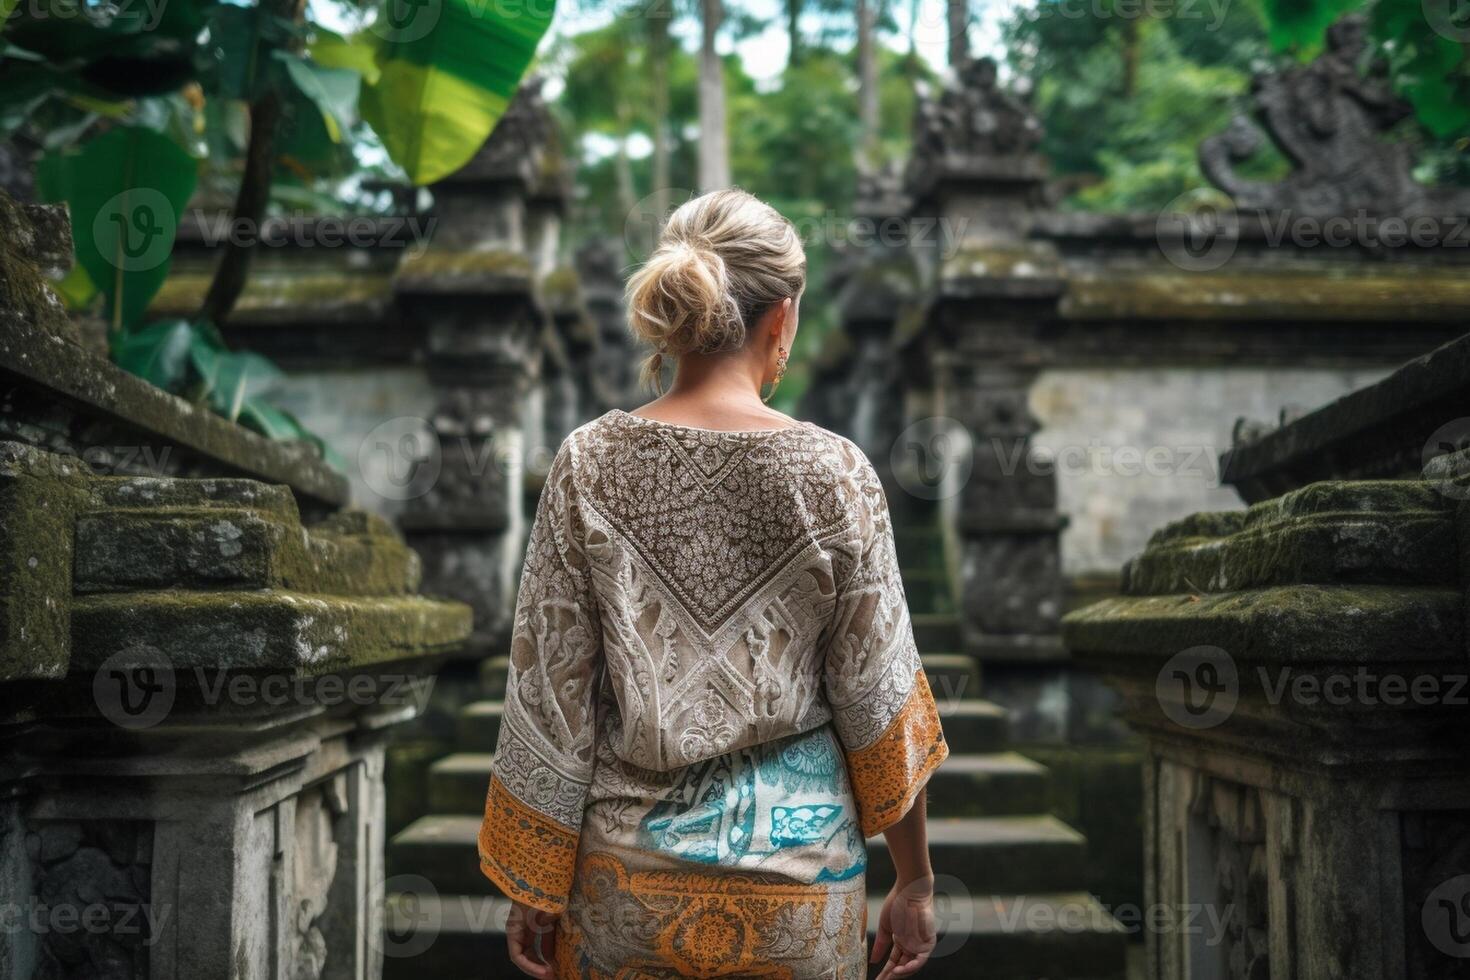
(906, 933)
(523, 928)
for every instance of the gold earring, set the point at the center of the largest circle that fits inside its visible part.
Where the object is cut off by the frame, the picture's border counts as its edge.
(781, 356)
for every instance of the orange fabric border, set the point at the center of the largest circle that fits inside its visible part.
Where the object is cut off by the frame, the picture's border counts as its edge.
(717, 925)
(527, 854)
(887, 775)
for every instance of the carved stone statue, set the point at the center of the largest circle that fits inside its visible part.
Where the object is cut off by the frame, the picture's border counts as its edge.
(1328, 118)
(973, 116)
(973, 123)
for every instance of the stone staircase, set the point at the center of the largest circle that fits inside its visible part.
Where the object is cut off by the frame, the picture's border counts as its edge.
(1011, 899)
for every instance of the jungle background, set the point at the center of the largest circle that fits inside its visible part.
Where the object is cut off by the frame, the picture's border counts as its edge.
(810, 92)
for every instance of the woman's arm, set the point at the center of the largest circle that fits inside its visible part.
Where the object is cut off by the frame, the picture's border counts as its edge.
(906, 931)
(908, 844)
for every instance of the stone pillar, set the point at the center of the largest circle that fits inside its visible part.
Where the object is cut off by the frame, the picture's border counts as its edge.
(474, 288)
(877, 283)
(1299, 672)
(201, 655)
(615, 358)
(976, 181)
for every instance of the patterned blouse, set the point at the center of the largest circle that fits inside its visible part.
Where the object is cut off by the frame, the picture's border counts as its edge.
(714, 698)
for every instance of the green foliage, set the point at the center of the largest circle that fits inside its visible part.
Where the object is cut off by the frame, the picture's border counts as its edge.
(1424, 43)
(443, 85)
(190, 360)
(1430, 70)
(123, 98)
(1299, 25)
(1133, 146)
(126, 190)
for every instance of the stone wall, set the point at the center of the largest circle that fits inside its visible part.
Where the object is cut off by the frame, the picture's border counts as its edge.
(201, 655)
(1298, 672)
(1136, 446)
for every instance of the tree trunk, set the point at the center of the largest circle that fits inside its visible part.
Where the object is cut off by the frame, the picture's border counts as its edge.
(793, 31)
(622, 166)
(714, 150)
(867, 86)
(1130, 57)
(959, 29)
(249, 210)
(912, 62)
(253, 194)
(660, 13)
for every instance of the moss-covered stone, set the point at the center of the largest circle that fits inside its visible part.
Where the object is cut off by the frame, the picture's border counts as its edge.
(267, 629)
(561, 290)
(286, 299)
(1374, 531)
(445, 270)
(25, 295)
(1334, 624)
(63, 380)
(1346, 293)
(213, 573)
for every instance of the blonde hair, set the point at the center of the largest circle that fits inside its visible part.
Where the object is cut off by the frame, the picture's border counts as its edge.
(723, 259)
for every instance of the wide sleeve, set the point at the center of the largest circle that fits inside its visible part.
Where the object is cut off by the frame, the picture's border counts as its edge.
(882, 708)
(544, 756)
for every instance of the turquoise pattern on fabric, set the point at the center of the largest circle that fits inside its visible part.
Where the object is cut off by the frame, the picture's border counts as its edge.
(746, 807)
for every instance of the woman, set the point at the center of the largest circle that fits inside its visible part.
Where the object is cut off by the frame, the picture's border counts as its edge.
(714, 694)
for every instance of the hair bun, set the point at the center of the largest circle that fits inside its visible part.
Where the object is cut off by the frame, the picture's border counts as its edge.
(722, 260)
(680, 301)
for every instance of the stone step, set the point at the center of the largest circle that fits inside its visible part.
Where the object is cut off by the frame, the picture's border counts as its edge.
(970, 725)
(988, 855)
(995, 855)
(974, 725)
(952, 677)
(492, 676)
(927, 590)
(241, 536)
(1066, 936)
(999, 784)
(478, 726)
(937, 631)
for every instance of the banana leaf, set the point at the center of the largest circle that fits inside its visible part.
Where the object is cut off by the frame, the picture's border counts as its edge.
(448, 70)
(126, 190)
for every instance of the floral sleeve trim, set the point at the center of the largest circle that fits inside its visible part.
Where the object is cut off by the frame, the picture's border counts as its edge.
(529, 856)
(887, 775)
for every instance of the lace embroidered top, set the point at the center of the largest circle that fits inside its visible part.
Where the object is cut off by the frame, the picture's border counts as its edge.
(712, 668)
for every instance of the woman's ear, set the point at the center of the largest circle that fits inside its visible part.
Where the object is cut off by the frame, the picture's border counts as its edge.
(778, 322)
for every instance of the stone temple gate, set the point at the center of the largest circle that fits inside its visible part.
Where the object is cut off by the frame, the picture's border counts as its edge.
(250, 725)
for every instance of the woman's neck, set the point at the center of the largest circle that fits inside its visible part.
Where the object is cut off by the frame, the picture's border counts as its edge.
(714, 391)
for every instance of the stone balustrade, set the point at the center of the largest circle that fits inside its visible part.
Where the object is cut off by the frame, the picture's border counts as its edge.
(201, 655)
(1299, 673)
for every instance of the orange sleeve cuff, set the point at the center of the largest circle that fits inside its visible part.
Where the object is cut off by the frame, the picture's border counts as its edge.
(887, 775)
(529, 856)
